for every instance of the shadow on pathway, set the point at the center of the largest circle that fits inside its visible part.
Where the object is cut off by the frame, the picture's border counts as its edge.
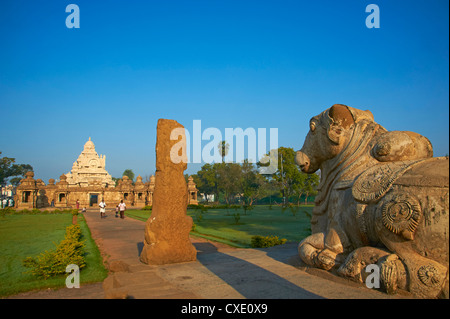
(250, 280)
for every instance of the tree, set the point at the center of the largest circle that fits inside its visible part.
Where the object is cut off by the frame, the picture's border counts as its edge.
(289, 178)
(128, 172)
(252, 183)
(299, 186)
(223, 149)
(206, 180)
(288, 174)
(9, 169)
(311, 184)
(229, 179)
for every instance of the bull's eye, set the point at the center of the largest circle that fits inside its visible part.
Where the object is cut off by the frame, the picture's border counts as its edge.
(312, 126)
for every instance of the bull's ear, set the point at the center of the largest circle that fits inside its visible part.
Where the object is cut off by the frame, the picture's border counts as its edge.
(341, 115)
(341, 119)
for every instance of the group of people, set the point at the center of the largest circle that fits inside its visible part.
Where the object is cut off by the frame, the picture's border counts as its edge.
(120, 208)
(7, 202)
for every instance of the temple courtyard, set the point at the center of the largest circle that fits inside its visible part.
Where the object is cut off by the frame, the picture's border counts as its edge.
(220, 271)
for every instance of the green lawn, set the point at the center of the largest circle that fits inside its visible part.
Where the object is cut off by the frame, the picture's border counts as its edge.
(24, 235)
(220, 224)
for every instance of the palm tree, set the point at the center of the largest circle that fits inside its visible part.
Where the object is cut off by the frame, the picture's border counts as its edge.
(223, 149)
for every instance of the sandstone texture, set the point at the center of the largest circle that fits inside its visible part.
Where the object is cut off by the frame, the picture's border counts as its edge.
(167, 230)
(383, 201)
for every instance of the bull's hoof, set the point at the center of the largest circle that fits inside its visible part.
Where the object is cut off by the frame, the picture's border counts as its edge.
(326, 259)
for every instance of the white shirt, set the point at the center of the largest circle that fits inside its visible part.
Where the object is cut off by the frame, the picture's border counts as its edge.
(122, 206)
(102, 204)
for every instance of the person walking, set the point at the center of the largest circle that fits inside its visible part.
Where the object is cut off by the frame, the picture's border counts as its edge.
(102, 208)
(122, 208)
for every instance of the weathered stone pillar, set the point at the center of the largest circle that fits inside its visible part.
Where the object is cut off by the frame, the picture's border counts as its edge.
(167, 230)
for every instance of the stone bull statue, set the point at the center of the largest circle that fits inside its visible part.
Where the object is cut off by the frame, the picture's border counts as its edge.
(382, 199)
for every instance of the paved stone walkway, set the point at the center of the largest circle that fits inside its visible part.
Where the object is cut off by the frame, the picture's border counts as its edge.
(219, 272)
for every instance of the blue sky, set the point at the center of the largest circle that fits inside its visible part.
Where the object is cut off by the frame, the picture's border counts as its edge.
(228, 63)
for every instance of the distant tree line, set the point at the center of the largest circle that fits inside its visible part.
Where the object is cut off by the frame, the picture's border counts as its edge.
(241, 182)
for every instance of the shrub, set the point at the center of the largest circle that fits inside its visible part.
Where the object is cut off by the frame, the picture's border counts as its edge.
(267, 241)
(219, 206)
(7, 211)
(199, 215)
(237, 217)
(147, 208)
(247, 208)
(54, 262)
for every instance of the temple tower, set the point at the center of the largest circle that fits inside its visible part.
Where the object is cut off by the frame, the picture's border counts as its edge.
(89, 168)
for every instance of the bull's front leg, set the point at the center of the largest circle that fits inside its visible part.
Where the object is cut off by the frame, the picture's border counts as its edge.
(321, 251)
(331, 255)
(309, 248)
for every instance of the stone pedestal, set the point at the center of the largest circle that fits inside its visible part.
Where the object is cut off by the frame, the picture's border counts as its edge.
(167, 230)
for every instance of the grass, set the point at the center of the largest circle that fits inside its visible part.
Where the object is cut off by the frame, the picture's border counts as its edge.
(141, 215)
(236, 228)
(95, 269)
(29, 234)
(24, 235)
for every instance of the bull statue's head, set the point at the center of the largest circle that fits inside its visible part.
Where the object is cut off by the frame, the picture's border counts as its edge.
(329, 133)
(345, 130)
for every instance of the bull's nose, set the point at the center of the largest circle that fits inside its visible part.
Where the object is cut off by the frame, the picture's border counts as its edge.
(302, 160)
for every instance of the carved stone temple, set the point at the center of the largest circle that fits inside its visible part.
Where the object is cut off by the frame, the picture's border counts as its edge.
(89, 168)
(88, 182)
